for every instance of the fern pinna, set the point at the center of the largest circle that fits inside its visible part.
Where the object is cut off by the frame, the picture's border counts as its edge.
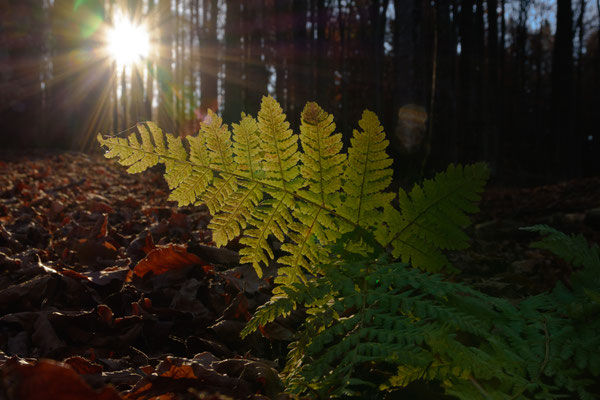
(258, 182)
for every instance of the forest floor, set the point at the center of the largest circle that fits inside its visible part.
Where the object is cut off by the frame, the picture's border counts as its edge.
(109, 291)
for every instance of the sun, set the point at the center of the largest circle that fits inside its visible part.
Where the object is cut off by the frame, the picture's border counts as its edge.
(126, 42)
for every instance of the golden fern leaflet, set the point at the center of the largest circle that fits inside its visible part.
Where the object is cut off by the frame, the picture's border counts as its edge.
(322, 167)
(229, 222)
(368, 173)
(279, 148)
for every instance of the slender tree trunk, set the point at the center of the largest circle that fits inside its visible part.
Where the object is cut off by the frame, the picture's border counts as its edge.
(492, 111)
(191, 64)
(579, 123)
(443, 123)
(323, 66)
(166, 112)
(209, 57)
(233, 63)
(466, 81)
(256, 73)
(565, 145)
(20, 70)
(177, 87)
(150, 64)
(480, 135)
(432, 93)
(501, 84)
(379, 20)
(344, 74)
(301, 83)
(136, 96)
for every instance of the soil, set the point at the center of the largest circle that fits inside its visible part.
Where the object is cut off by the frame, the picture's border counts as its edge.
(110, 291)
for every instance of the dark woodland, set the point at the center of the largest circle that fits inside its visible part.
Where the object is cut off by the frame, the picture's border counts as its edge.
(130, 286)
(512, 82)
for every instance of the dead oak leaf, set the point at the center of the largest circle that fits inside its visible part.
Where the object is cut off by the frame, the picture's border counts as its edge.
(47, 379)
(163, 259)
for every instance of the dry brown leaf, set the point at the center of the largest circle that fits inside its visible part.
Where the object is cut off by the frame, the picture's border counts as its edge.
(163, 259)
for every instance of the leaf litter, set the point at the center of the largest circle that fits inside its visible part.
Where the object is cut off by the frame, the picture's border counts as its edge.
(108, 291)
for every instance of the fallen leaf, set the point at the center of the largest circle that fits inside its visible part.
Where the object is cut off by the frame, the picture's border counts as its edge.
(163, 259)
(47, 379)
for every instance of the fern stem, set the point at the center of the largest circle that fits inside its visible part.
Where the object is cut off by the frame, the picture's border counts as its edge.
(363, 183)
(543, 366)
(479, 387)
(249, 156)
(305, 239)
(547, 355)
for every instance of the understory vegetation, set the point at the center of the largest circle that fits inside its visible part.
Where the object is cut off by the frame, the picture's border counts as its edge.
(368, 266)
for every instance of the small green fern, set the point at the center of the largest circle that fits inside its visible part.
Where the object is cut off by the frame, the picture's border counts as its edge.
(363, 310)
(365, 313)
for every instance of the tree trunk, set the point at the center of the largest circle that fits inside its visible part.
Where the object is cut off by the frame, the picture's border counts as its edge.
(233, 63)
(166, 111)
(148, 99)
(492, 110)
(300, 66)
(136, 98)
(565, 145)
(256, 73)
(378, 13)
(209, 57)
(466, 82)
(21, 96)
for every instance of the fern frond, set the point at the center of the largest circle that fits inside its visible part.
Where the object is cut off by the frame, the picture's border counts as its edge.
(246, 148)
(573, 249)
(280, 305)
(279, 148)
(137, 156)
(322, 162)
(218, 142)
(233, 216)
(177, 169)
(322, 168)
(390, 313)
(432, 217)
(367, 173)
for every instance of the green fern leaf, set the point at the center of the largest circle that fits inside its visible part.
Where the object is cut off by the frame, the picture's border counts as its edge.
(279, 148)
(233, 217)
(132, 153)
(433, 216)
(177, 167)
(322, 168)
(573, 249)
(367, 173)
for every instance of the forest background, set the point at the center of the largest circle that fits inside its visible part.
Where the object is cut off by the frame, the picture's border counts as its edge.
(515, 83)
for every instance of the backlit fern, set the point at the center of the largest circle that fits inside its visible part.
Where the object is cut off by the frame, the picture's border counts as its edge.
(338, 227)
(258, 182)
